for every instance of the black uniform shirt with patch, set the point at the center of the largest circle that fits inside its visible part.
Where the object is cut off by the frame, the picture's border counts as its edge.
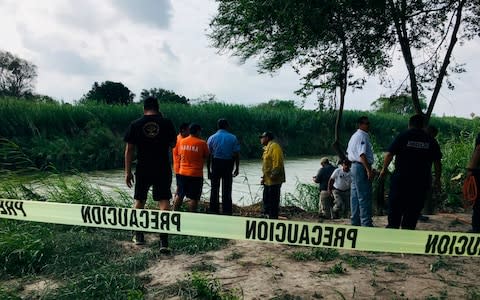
(414, 152)
(152, 135)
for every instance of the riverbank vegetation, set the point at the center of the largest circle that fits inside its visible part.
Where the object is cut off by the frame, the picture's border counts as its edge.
(90, 136)
(84, 137)
(49, 261)
(72, 262)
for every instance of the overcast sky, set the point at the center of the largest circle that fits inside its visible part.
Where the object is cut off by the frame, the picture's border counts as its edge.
(160, 43)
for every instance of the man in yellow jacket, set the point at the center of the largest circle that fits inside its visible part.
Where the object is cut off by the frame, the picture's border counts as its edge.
(273, 174)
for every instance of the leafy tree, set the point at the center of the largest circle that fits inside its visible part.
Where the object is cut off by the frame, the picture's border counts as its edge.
(399, 104)
(109, 92)
(204, 99)
(163, 95)
(279, 104)
(328, 38)
(17, 75)
(427, 32)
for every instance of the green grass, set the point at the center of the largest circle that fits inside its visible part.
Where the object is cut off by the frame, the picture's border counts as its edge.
(198, 285)
(337, 269)
(438, 264)
(8, 295)
(320, 254)
(87, 263)
(306, 196)
(357, 261)
(69, 138)
(234, 255)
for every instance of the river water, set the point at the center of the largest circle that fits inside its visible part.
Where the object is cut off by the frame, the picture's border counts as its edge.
(246, 187)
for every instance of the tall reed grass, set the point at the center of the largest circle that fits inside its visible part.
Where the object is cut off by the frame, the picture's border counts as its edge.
(90, 137)
(83, 263)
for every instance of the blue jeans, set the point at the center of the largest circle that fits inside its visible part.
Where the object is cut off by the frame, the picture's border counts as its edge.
(361, 197)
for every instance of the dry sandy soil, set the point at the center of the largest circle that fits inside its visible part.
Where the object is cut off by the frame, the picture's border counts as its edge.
(269, 271)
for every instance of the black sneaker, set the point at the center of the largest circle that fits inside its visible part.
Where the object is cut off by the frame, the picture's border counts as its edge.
(164, 249)
(138, 238)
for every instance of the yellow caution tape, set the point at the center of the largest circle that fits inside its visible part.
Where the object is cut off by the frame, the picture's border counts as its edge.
(242, 228)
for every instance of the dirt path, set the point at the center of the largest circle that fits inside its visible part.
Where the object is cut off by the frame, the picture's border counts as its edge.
(270, 271)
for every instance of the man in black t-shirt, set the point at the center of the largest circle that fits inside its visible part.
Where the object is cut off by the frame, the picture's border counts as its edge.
(414, 152)
(151, 136)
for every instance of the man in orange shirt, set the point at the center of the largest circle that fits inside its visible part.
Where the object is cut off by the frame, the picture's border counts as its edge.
(180, 193)
(193, 154)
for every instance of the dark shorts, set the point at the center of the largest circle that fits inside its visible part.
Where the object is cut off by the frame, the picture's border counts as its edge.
(161, 186)
(192, 186)
(180, 187)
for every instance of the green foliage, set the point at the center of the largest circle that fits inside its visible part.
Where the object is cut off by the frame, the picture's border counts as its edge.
(89, 262)
(163, 95)
(337, 269)
(356, 261)
(202, 286)
(22, 252)
(398, 104)
(320, 254)
(472, 294)
(109, 92)
(33, 248)
(234, 255)
(327, 39)
(8, 295)
(456, 151)
(105, 283)
(306, 197)
(439, 264)
(203, 267)
(431, 28)
(16, 75)
(278, 104)
(194, 245)
(90, 137)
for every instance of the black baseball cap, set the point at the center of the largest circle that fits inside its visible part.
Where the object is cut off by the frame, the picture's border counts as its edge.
(267, 134)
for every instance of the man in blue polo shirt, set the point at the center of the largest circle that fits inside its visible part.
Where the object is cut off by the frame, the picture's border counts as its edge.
(224, 156)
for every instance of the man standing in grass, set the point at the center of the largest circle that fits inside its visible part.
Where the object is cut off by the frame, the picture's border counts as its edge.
(180, 192)
(193, 152)
(360, 153)
(150, 137)
(224, 156)
(339, 186)
(273, 174)
(414, 151)
(322, 177)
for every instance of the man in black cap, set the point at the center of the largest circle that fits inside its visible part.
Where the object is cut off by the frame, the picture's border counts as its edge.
(273, 174)
(151, 136)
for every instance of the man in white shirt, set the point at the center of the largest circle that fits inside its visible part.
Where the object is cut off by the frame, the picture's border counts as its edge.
(339, 187)
(360, 153)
